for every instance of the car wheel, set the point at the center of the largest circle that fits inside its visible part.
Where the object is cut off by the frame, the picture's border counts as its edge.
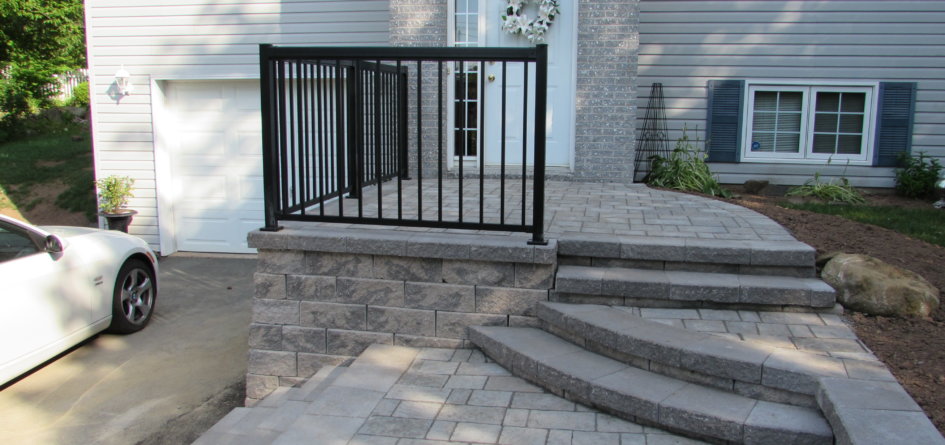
(134, 297)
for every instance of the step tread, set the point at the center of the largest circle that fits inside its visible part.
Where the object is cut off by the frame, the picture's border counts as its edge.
(694, 286)
(557, 364)
(789, 370)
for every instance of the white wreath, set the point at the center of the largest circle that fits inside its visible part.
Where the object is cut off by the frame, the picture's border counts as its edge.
(516, 22)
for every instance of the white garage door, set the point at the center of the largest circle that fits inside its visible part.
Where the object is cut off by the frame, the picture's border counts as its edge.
(215, 156)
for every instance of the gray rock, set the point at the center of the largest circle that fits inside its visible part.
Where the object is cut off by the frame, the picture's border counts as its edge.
(754, 186)
(868, 285)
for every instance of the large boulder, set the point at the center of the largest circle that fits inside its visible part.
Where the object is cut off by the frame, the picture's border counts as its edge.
(866, 284)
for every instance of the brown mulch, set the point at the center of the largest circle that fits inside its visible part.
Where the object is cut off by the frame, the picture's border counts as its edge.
(913, 349)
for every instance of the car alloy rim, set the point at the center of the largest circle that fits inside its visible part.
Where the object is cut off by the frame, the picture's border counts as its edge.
(137, 296)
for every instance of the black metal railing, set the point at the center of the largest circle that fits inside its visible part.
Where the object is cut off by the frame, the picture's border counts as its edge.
(359, 135)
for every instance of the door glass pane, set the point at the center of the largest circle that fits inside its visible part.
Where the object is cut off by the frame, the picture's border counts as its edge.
(466, 81)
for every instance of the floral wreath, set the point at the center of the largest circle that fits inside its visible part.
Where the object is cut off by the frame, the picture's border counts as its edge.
(516, 22)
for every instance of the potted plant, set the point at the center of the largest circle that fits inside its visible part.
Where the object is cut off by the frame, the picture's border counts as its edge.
(113, 194)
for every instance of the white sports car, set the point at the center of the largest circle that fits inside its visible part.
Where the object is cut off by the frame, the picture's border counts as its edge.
(62, 285)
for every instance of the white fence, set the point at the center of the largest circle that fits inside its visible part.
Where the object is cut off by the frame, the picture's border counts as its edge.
(66, 83)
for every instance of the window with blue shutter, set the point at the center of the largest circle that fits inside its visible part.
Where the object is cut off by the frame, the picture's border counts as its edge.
(894, 122)
(724, 121)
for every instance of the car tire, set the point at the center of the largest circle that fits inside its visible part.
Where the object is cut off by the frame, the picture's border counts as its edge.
(134, 297)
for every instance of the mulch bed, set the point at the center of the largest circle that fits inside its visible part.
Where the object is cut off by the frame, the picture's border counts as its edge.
(913, 349)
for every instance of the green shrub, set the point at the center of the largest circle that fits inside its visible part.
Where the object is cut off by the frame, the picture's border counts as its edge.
(113, 193)
(685, 169)
(917, 178)
(839, 192)
(80, 96)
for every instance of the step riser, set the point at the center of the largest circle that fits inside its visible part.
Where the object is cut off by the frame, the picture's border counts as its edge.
(751, 390)
(744, 269)
(574, 298)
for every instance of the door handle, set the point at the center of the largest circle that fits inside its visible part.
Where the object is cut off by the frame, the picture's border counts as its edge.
(492, 78)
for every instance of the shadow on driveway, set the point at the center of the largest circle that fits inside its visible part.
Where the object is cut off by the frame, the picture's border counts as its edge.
(165, 384)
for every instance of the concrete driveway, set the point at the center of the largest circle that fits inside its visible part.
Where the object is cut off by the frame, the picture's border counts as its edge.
(163, 385)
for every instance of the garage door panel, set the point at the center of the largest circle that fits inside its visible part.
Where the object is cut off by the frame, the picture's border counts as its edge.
(216, 164)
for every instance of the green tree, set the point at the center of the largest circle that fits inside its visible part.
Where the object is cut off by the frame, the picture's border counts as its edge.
(38, 38)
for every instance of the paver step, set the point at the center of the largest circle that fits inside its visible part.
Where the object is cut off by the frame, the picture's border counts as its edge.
(780, 253)
(625, 286)
(641, 395)
(750, 369)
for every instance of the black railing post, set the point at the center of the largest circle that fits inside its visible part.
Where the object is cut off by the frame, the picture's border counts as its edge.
(270, 175)
(541, 103)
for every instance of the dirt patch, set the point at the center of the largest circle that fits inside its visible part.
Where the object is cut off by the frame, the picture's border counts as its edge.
(40, 208)
(913, 349)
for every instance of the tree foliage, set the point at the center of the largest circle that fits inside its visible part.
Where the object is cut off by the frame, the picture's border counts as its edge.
(38, 39)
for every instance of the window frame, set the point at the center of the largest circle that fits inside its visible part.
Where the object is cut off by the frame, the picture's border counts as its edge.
(805, 154)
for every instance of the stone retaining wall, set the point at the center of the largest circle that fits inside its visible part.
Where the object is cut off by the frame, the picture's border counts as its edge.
(324, 295)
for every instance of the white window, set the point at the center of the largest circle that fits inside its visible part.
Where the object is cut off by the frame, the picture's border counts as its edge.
(809, 123)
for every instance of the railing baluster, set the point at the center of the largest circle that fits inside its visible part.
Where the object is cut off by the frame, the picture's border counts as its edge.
(541, 103)
(479, 137)
(461, 97)
(401, 140)
(439, 140)
(419, 140)
(502, 162)
(378, 173)
(340, 136)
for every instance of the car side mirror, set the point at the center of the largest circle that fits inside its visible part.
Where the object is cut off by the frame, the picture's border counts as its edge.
(54, 244)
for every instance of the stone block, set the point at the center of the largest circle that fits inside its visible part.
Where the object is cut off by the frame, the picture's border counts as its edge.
(333, 315)
(401, 321)
(258, 239)
(270, 286)
(771, 394)
(478, 273)
(695, 286)
(454, 324)
(706, 411)
(520, 321)
(757, 289)
(798, 371)
(579, 280)
(547, 254)
(880, 427)
(276, 311)
(310, 287)
(440, 296)
(309, 364)
(589, 246)
(634, 392)
(274, 363)
(265, 336)
(408, 269)
(867, 370)
(566, 420)
(779, 253)
(322, 240)
(299, 339)
(503, 300)
(341, 342)
(511, 249)
(778, 423)
(259, 386)
(653, 248)
(837, 394)
(438, 246)
(339, 264)
(369, 291)
(534, 276)
(831, 345)
(280, 261)
(718, 251)
(386, 243)
(415, 341)
(396, 427)
(635, 283)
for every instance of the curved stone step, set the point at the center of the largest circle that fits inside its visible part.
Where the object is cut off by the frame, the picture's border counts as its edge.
(633, 286)
(750, 369)
(640, 395)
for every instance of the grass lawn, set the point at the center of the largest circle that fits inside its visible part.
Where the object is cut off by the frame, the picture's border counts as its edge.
(927, 224)
(53, 158)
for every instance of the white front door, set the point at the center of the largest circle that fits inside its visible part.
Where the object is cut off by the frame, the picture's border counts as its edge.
(216, 163)
(478, 23)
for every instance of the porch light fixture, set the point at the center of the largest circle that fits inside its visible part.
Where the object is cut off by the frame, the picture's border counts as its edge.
(123, 81)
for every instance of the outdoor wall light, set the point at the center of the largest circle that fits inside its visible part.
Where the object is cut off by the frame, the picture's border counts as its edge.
(123, 81)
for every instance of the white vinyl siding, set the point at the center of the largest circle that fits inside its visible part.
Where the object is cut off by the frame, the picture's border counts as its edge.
(159, 40)
(684, 44)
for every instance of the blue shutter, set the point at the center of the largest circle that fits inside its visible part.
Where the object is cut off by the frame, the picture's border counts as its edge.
(894, 118)
(724, 120)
